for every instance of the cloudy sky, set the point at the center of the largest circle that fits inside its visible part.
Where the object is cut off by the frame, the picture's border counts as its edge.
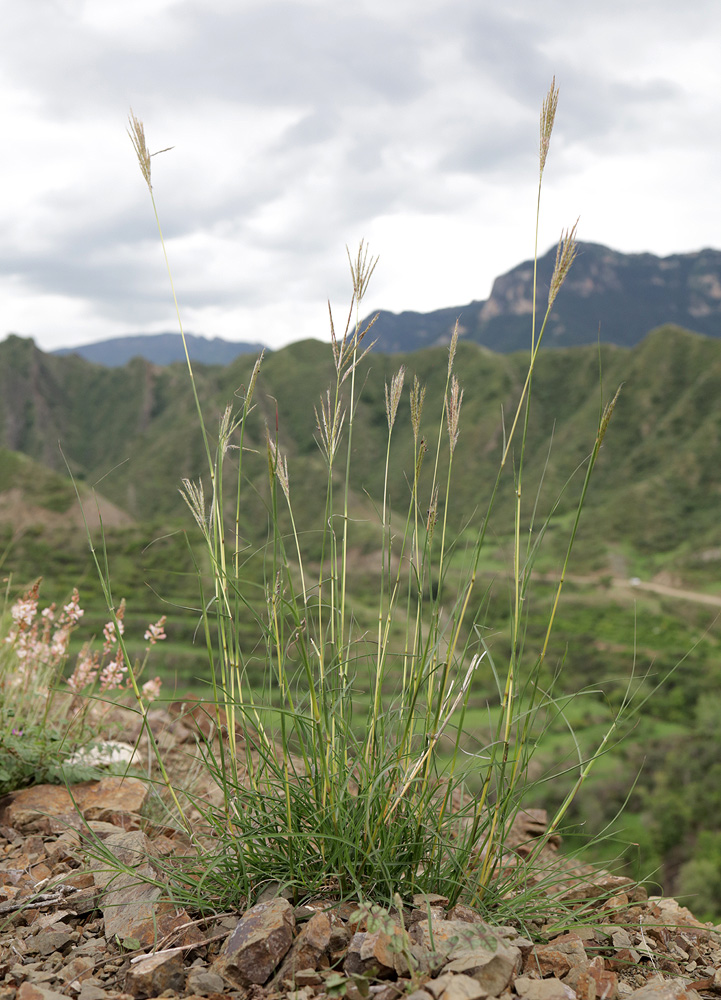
(300, 126)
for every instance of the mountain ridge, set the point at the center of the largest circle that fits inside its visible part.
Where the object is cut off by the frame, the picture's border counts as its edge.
(161, 349)
(608, 296)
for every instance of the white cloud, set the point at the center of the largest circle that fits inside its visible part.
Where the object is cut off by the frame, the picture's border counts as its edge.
(300, 126)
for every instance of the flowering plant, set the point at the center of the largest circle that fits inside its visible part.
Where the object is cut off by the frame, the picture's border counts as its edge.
(34, 709)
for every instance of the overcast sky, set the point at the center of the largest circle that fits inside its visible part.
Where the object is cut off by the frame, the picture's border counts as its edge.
(303, 125)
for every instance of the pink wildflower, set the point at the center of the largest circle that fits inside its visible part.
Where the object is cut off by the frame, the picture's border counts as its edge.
(151, 689)
(113, 673)
(109, 632)
(23, 611)
(72, 612)
(155, 633)
(86, 670)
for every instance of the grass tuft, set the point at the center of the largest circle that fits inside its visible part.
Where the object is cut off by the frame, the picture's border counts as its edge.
(347, 771)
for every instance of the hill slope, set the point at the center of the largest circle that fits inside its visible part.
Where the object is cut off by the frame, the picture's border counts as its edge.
(135, 427)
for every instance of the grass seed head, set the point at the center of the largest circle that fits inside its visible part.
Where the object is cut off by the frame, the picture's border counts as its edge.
(452, 348)
(548, 116)
(565, 256)
(194, 496)
(432, 516)
(136, 131)
(361, 270)
(254, 378)
(454, 402)
(606, 416)
(418, 395)
(393, 395)
(278, 465)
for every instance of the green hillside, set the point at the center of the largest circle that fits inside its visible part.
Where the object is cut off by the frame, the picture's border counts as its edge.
(133, 429)
(651, 513)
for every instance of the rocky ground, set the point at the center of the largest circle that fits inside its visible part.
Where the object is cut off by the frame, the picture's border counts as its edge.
(74, 926)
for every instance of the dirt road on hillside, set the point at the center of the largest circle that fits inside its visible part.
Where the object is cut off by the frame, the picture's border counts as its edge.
(661, 588)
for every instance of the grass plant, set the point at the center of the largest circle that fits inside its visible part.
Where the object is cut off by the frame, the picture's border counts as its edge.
(346, 772)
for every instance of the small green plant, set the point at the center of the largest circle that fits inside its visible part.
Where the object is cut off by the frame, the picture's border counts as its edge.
(49, 724)
(346, 773)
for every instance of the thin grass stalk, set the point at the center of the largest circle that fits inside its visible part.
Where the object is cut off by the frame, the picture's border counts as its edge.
(136, 132)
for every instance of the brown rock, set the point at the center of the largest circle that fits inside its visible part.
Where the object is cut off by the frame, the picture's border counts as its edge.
(606, 981)
(455, 987)
(373, 954)
(542, 989)
(585, 987)
(462, 912)
(29, 991)
(258, 944)
(545, 960)
(448, 936)
(77, 970)
(203, 982)
(572, 947)
(623, 959)
(665, 989)
(601, 885)
(312, 942)
(422, 900)
(677, 917)
(156, 973)
(23, 808)
(492, 969)
(134, 907)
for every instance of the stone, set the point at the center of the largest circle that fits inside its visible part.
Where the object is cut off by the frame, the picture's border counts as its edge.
(571, 947)
(585, 987)
(446, 936)
(422, 900)
(596, 888)
(312, 942)
(666, 989)
(542, 989)
(676, 917)
(29, 991)
(52, 939)
(339, 940)
(606, 981)
(133, 907)
(204, 982)
(258, 944)
(492, 969)
(545, 960)
(373, 954)
(22, 808)
(462, 912)
(77, 970)
(89, 991)
(456, 987)
(156, 973)
(472, 950)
